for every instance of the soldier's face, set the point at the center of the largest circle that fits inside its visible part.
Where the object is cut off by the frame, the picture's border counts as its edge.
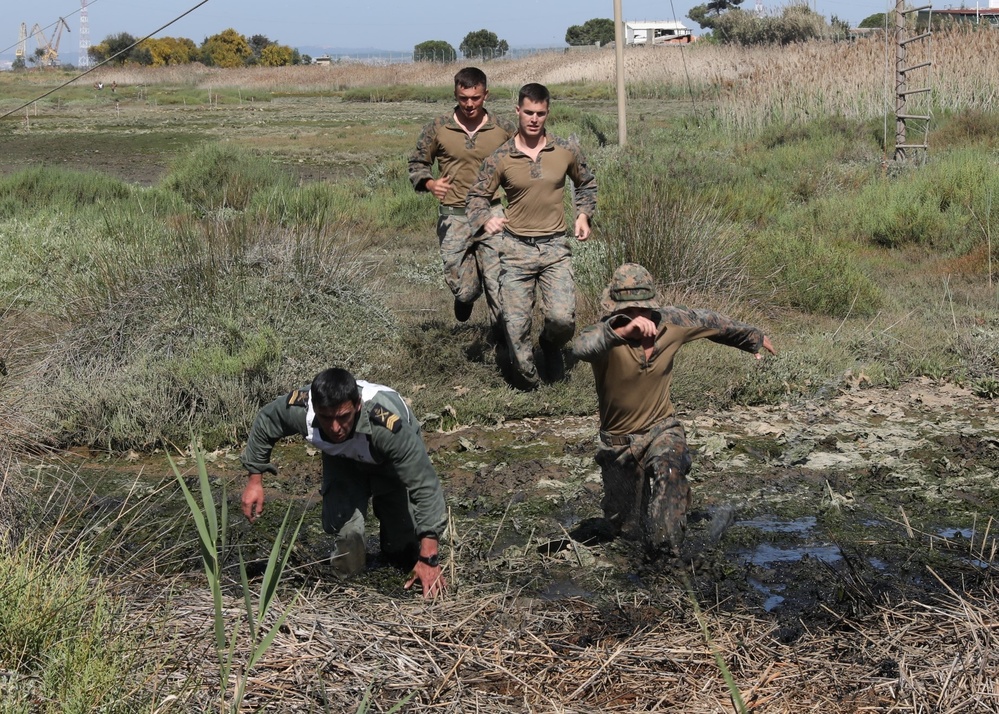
(470, 102)
(532, 116)
(338, 422)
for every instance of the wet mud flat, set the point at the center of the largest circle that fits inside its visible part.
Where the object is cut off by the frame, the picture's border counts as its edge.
(841, 554)
(799, 511)
(870, 495)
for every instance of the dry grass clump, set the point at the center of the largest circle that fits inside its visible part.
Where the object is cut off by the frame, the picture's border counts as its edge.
(500, 653)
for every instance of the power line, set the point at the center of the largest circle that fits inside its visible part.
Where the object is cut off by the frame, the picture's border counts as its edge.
(101, 64)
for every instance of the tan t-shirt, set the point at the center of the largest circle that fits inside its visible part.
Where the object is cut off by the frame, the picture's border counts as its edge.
(457, 154)
(633, 393)
(534, 189)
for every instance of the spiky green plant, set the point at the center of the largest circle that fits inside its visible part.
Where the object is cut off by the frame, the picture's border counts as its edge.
(212, 528)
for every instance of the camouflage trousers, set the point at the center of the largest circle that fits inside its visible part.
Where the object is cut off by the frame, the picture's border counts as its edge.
(471, 265)
(646, 494)
(527, 267)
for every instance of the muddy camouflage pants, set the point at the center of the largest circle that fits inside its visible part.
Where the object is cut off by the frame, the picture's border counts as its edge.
(646, 494)
(527, 267)
(471, 265)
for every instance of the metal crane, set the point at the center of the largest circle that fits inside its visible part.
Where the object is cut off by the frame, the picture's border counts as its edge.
(48, 49)
(22, 42)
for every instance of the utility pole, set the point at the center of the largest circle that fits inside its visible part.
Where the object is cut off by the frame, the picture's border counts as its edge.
(622, 98)
(84, 61)
(902, 91)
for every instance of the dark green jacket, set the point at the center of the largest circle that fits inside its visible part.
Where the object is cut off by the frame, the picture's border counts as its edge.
(386, 440)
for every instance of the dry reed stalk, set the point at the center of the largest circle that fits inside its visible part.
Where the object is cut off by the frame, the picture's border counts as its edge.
(571, 656)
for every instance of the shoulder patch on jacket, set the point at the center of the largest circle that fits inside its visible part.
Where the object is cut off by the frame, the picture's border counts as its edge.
(384, 417)
(298, 398)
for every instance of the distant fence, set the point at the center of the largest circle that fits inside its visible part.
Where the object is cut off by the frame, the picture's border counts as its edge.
(387, 58)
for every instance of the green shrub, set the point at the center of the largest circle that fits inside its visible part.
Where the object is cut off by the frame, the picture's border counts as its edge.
(206, 330)
(680, 237)
(61, 634)
(218, 177)
(57, 190)
(809, 275)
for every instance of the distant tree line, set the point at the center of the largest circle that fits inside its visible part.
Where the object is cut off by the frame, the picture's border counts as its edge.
(226, 49)
(797, 22)
(480, 44)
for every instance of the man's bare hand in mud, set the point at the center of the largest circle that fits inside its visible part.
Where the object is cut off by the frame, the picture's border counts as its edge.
(430, 577)
(253, 497)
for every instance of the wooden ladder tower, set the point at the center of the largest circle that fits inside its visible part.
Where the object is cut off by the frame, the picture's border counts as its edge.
(912, 106)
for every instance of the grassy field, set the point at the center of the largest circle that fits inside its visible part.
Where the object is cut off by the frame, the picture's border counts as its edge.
(176, 254)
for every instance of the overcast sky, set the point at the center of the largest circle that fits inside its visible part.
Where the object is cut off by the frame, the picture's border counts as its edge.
(383, 24)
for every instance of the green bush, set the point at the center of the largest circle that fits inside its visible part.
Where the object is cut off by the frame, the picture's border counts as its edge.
(809, 275)
(61, 634)
(206, 330)
(679, 236)
(57, 190)
(218, 177)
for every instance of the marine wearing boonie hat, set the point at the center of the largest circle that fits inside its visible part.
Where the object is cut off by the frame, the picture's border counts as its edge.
(630, 286)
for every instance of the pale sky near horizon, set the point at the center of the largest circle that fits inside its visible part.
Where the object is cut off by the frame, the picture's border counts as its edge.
(391, 25)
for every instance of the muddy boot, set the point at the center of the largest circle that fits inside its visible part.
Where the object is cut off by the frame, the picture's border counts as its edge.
(462, 310)
(350, 556)
(554, 361)
(721, 521)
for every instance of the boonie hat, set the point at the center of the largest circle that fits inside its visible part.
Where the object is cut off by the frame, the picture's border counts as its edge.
(631, 286)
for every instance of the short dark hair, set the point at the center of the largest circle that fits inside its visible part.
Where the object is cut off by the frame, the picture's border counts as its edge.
(469, 77)
(535, 92)
(334, 386)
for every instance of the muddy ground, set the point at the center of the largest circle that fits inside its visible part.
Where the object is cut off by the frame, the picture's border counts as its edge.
(801, 512)
(836, 501)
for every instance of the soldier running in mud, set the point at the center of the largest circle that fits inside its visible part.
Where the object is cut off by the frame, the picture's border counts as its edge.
(643, 451)
(532, 168)
(459, 142)
(372, 451)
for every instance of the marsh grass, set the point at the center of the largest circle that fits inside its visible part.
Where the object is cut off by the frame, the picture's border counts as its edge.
(220, 177)
(71, 565)
(212, 529)
(161, 313)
